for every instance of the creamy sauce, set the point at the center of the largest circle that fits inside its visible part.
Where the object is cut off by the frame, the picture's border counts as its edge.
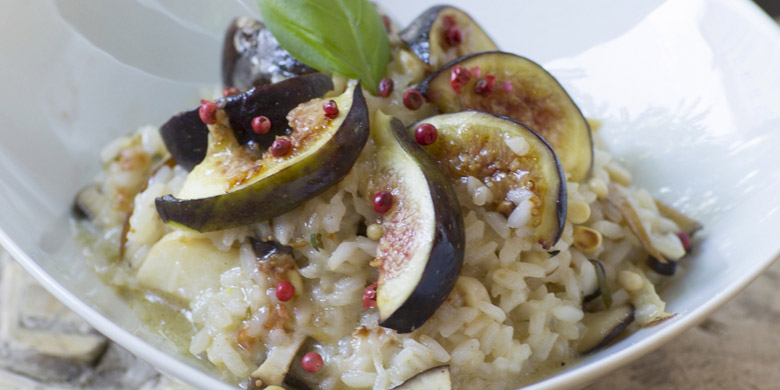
(161, 315)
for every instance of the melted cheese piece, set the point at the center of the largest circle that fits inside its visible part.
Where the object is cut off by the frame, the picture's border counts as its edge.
(184, 265)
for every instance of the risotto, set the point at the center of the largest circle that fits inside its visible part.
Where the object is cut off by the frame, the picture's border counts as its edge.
(457, 224)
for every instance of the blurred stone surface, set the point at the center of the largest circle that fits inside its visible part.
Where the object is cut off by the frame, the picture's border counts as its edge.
(43, 345)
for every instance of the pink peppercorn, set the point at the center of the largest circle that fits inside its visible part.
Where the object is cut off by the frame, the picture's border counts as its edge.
(261, 124)
(331, 109)
(383, 201)
(285, 291)
(312, 362)
(208, 112)
(425, 134)
(281, 147)
(459, 77)
(413, 99)
(385, 87)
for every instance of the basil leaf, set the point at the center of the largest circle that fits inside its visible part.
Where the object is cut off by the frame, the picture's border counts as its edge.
(346, 37)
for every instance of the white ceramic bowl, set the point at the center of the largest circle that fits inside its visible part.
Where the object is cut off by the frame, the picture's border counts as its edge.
(688, 91)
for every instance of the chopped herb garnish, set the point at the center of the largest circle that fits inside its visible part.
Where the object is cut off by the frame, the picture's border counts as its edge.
(316, 241)
(553, 253)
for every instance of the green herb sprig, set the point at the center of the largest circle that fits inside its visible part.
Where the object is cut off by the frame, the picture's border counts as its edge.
(346, 37)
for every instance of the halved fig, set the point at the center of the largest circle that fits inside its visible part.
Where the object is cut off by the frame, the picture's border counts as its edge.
(514, 162)
(186, 136)
(436, 378)
(421, 251)
(507, 84)
(443, 33)
(601, 328)
(233, 186)
(251, 56)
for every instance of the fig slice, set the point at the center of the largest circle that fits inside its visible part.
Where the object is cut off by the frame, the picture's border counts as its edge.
(421, 252)
(443, 33)
(436, 378)
(233, 186)
(252, 56)
(519, 88)
(186, 136)
(477, 144)
(601, 328)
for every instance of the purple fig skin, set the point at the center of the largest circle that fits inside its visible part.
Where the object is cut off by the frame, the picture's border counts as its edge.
(613, 333)
(421, 35)
(668, 268)
(251, 56)
(186, 136)
(532, 96)
(446, 254)
(547, 237)
(282, 191)
(417, 33)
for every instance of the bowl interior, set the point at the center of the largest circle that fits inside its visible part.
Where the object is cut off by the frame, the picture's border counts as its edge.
(687, 92)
